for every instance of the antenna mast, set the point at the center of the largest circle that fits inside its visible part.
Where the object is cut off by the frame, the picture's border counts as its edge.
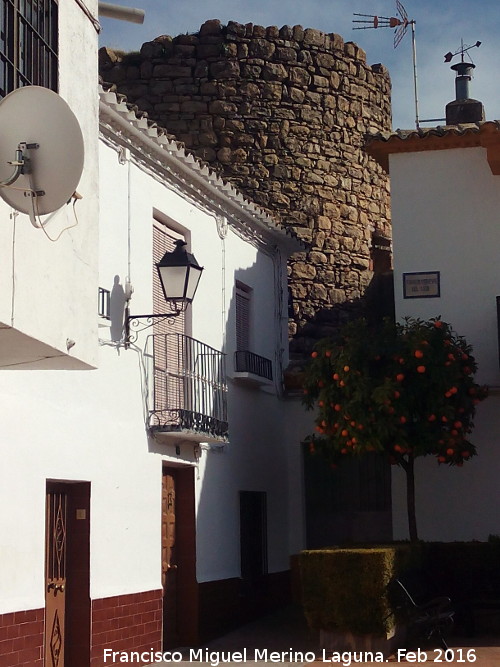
(401, 24)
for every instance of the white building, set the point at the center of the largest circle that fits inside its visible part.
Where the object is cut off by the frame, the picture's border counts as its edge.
(445, 194)
(145, 486)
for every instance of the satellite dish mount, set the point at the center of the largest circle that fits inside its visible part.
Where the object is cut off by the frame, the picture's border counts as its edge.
(41, 151)
(21, 165)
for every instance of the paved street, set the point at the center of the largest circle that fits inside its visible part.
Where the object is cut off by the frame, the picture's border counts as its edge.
(285, 631)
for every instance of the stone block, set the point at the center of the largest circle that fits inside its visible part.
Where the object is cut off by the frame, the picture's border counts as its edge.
(299, 76)
(259, 32)
(314, 37)
(211, 27)
(303, 270)
(222, 107)
(261, 48)
(298, 33)
(274, 72)
(235, 28)
(171, 71)
(285, 54)
(225, 69)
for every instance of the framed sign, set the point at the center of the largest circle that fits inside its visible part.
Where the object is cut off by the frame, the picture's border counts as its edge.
(421, 285)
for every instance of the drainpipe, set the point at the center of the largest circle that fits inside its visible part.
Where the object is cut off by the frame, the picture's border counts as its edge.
(121, 13)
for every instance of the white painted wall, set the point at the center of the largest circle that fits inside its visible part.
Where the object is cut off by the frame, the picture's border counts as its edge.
(49, 289)
(256, 456)
(445, 213)
(90, 426)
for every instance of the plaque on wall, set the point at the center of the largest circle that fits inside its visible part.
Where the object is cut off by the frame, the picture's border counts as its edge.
(421, 285)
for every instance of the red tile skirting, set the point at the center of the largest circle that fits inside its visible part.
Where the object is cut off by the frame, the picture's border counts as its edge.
(126, 623)
(21, 638)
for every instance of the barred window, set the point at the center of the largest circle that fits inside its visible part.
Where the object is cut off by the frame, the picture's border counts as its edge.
(28, 44)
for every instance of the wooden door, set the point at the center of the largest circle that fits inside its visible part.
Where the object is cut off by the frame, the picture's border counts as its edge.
(169, 559)
(55, 576)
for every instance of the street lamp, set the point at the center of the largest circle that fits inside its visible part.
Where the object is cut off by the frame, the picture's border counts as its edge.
(179, 274)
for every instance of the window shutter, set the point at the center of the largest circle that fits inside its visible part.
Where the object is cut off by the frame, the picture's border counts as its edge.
(243, 299)
(168, 335)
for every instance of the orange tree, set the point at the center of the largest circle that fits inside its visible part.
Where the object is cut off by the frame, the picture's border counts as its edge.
(404, 389)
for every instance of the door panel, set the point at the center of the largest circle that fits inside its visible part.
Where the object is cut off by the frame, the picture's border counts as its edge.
(67, 575)
(55, 577)
(169, 559)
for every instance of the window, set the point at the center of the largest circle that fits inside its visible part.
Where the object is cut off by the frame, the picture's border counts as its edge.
(246, 361)
(243, 303)
(28, 44)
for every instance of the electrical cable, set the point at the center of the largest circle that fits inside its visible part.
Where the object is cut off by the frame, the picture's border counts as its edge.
(97, 26)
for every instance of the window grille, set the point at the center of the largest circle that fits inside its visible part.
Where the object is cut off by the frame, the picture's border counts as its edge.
(104, 303)
(28, 44)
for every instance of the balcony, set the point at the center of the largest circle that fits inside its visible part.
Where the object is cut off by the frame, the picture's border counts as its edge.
(187, 388)
(250, 368)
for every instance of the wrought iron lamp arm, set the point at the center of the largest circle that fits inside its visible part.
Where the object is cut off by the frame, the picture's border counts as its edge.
(132, 323)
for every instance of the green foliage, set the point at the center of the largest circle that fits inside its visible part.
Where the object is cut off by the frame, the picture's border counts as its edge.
(345, 589)
(404, 389)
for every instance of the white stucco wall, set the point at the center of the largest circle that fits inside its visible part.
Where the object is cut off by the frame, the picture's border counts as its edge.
(49, 288)
(445, 213)
(90, 425)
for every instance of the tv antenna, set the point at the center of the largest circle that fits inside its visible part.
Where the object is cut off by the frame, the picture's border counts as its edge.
(401, 22)
(41, 151)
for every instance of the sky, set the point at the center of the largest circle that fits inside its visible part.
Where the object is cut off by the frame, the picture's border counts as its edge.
(440, 27)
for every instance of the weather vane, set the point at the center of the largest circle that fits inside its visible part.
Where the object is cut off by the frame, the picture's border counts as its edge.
(462, 50)
(400, 23)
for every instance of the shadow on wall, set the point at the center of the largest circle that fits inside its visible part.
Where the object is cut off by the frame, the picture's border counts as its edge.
(245, 484)
(116, 310)
(376, 303)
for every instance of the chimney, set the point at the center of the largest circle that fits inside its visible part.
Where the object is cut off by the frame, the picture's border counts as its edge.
(463, 109)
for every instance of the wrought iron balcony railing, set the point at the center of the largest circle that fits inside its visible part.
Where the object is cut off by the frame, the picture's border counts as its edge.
(189, 388)
(245, 361)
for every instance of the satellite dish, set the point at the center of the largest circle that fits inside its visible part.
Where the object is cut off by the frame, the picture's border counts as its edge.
(41, 150)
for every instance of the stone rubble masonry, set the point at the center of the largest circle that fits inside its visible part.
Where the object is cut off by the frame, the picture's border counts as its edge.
(282, 113)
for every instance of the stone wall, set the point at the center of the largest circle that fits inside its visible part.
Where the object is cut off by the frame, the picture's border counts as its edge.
(283, 114)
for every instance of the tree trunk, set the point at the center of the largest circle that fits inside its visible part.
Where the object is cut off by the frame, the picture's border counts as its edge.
(410, 498)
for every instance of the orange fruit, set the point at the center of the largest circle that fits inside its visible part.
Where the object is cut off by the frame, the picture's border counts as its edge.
(314, 354)
(400, 377)
(420, 369)
(419, 354)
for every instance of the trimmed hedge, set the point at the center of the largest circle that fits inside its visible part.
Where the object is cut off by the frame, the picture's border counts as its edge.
(345, 589)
